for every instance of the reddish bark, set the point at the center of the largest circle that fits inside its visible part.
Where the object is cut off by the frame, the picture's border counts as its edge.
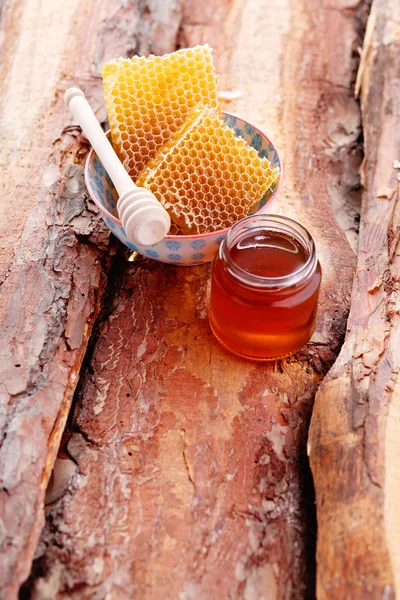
(54, 259)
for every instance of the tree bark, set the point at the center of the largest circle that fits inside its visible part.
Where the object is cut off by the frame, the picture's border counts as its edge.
(54, 257)
(354, 445)
(187, 474)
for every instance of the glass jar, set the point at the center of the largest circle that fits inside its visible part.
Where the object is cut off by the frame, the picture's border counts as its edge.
(264, 289)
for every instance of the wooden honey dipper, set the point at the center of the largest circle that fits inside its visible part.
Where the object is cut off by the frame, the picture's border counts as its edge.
(143, 218)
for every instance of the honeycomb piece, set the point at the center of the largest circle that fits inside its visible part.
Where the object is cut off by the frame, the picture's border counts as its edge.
(175, 229)
(148, 99)
(207, 177)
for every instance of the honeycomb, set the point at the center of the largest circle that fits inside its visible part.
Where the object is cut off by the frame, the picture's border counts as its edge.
(175, 230)
(148, 99)
(205, 176)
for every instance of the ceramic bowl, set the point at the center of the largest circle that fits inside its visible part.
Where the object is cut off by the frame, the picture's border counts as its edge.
(187, 250)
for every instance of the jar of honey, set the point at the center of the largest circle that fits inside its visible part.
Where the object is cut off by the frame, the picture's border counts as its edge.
(264, 288)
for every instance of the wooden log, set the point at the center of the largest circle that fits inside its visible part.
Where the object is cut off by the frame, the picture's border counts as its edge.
(354, 441)
(53, 257)
(187, 474)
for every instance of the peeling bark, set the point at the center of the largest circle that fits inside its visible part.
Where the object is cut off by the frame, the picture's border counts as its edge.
(53, 256)
(186, 466)
(353, 442)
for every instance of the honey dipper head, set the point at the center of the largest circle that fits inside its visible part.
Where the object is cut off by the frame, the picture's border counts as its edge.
(149, 230)
(143, 218)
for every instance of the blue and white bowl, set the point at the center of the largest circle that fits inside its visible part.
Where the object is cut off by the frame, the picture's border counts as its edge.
(184, 250)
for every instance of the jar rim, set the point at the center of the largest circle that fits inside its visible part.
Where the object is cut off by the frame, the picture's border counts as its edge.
(272, 222)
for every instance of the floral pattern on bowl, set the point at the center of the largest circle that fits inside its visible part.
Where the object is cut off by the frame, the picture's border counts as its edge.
(182, 250)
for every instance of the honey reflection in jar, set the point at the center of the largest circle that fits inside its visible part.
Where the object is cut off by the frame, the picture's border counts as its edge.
(264, 289)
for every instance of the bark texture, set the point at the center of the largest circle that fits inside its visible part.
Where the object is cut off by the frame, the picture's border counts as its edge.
(53, 257)
(183, 474)
(354, 444)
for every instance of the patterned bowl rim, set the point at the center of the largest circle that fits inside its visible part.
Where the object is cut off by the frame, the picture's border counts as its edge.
(200, 235)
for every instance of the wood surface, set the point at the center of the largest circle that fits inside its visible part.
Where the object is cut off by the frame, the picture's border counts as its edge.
(54, 257)
(354, 438)
(183, 471)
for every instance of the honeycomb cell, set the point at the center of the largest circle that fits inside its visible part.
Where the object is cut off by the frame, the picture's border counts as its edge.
(197, 164)
(215, 199)
(176, 230)
(232, 169)
(160, 90)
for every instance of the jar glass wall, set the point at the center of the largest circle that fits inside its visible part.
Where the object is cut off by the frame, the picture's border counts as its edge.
(264, 290)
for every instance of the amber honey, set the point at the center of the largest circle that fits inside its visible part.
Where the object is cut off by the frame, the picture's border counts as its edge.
(264, 290)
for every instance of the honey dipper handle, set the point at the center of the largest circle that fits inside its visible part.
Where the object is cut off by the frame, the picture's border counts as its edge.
(83, 113)
(144, 219)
